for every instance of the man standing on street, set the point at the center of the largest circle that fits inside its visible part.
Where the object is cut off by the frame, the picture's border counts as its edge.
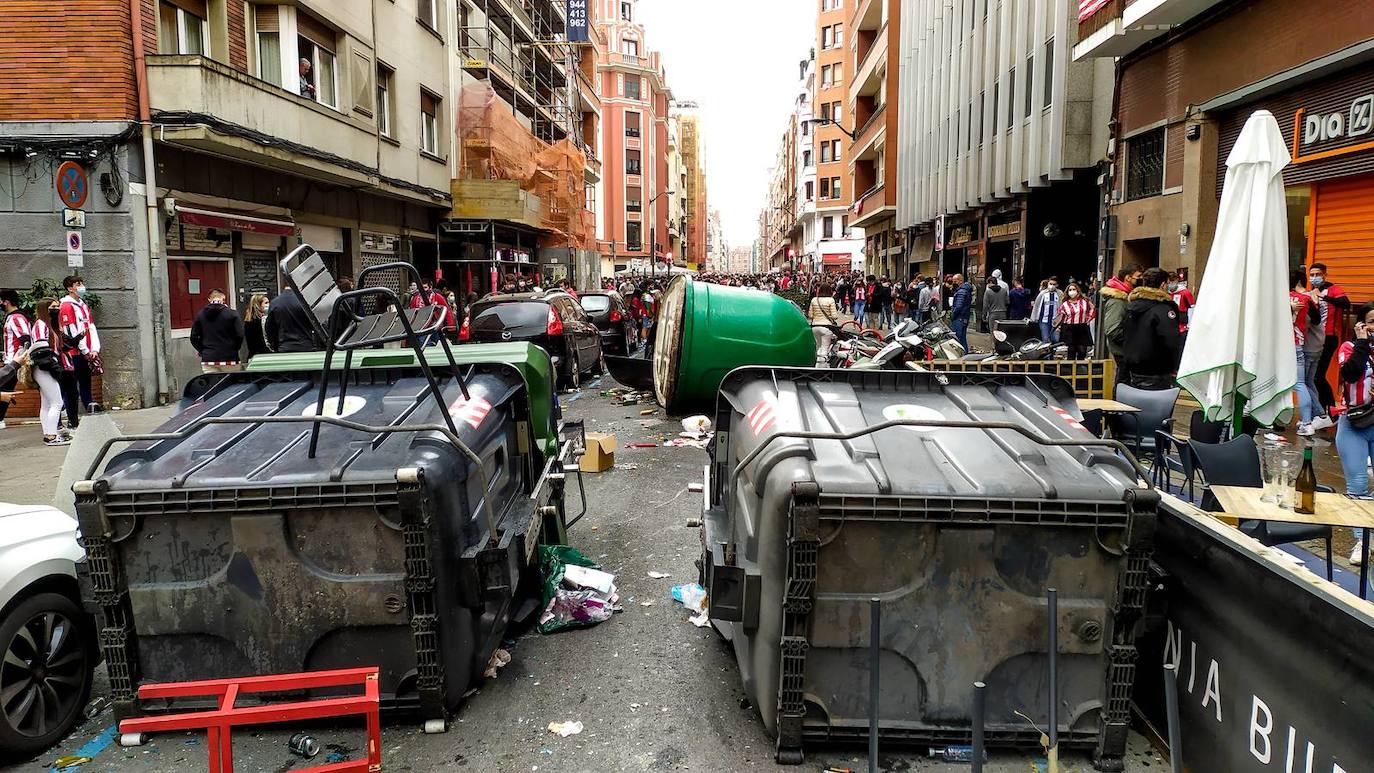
(1153, 343)
(961, 307)
(17, 336)
(1046, 307)
(1113, 310)
(82, 342)
(288, 327)
(927, 301)
(995, 299)
(1334, 303)
(217, 334)
(1019, 300)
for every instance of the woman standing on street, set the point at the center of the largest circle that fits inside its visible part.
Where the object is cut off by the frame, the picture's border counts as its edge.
(1354, 444)
(50, 365)
(1074, 319)
(253, 333)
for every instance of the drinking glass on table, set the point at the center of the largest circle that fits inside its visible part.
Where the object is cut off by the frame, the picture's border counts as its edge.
(1271, 464)
(1290, 461)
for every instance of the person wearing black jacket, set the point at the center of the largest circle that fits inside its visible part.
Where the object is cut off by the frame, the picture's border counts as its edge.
(1150, 333)
(1355, 444)
(253, 319)
(217, 334)
(288, 325)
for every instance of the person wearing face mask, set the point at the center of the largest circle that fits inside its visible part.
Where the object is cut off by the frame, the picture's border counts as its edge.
(1153, 343)
(1046, 306)
(1333, 303)
(253, 332)
(1114, 296)
(995, 300)
(1183, 299)
(961, 308)
(1074, 322)
(81, 342)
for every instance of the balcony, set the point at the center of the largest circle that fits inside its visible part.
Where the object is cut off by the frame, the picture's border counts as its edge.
(868, 79)
(239, 102)
(1121, 26)
(629, 60)
(870, 15)
(869, 139)
(871, 207)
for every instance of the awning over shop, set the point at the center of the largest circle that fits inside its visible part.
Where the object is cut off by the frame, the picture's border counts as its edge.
(233, 221)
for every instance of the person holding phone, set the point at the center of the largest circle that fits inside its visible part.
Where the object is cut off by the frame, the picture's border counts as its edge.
(1355, 444)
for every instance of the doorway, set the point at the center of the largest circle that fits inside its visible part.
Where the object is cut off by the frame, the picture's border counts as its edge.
(1141, 252)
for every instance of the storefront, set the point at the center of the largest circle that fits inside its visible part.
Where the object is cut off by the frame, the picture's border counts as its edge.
(1328, 125)
(963, 245)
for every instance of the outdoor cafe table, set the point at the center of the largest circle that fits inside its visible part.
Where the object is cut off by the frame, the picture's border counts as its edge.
(1106, 406)
(1243, 503)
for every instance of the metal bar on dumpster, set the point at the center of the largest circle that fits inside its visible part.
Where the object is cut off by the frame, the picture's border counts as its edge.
(1052, 751)
(190, 428)
(1171, 716)
(980, 710)
(875, 614)
(1115, 445)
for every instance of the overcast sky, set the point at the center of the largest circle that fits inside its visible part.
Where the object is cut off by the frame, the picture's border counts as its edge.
(738, 60)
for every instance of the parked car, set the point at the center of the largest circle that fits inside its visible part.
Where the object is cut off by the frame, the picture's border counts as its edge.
(47, 641)
(551, 320)
(607, 311)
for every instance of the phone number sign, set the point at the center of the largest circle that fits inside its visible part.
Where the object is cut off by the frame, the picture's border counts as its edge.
(577, 22)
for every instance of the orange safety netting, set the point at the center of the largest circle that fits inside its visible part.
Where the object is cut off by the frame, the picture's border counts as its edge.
(496, 146)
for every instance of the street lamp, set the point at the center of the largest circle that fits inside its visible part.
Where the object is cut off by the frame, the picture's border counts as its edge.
(653, 236)
(831, 122)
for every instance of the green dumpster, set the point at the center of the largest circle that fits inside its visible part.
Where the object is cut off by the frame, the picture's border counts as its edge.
(707, 330)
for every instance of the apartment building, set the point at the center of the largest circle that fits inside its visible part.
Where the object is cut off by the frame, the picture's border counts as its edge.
(782, 227)
(830, 138)
(1190, 79)
(268, 125)
(716, 248)
(1000, 133)
(875, 62)
(694, 160)
(677, 198)
(635, 99)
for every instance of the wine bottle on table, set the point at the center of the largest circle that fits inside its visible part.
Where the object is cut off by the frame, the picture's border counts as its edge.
(1306, 485)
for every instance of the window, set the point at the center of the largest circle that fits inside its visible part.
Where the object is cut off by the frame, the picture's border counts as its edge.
(806, 159)
(384, 76)
(317, 80)
(827, 37)
(828, 228)
(825, 187)
(631, 124)
(1011, 99)
(632, 85)
(835, 150)
(428, 13)
(806, 129)
(844, 226)
(825, 153)
(1030, 93)
(825, 111)
(837, 112)
(181, 30)
(835, 188)
(632, 162)
(627, 11)
(839, 35)
(633, 198)
(630, 47)
(839, 75)
(831, 5)
(429, 123)
(810, 190)
(981, 114)
(634, 236)
(1145, 164)
(589, 197)
(825, 76)
(267, 21)
(1049, 71)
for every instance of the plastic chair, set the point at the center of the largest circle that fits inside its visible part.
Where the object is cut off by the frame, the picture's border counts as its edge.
(1236, 463)
(1137, 430)
(336, 318)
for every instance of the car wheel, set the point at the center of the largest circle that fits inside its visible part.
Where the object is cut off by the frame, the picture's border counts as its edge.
(574, 372)
(45, 674)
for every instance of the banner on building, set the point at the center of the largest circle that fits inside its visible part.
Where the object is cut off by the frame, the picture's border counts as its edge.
(1086, 8)
(578, 22)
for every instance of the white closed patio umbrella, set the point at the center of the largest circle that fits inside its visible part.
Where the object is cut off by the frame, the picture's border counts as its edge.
(1240, 356)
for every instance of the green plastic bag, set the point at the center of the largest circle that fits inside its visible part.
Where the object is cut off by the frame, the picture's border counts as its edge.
(553, 562)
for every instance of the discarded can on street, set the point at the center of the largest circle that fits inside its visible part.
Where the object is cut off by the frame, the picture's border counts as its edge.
(303, 745)
(960, 753)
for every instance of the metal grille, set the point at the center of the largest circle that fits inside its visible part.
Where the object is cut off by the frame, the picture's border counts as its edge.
(1145, 165)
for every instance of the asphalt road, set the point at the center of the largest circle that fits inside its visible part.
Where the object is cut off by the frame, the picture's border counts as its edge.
(653, 692)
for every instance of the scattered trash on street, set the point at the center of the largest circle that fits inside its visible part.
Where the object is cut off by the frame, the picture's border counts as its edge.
(648, 412)
(69, 761)
(642, 445)
(568, 603)
(691, 596)
(694, 487)
(658, 575)
(499, 660)
(697, 426)
(680, 442)
(303, 745)
(565, 729)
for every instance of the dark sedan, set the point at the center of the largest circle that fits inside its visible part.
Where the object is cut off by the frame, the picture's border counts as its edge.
(552, 321)
(607, 311)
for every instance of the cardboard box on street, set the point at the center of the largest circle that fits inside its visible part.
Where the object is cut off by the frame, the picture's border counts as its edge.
(600, 454)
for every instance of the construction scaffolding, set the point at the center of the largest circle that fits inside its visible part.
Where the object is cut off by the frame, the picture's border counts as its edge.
(496, 146)
(520, 47)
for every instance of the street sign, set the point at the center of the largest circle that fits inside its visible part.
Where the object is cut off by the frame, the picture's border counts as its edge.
(72, 186)
(73, 218)
(74, 250)
(578, 22)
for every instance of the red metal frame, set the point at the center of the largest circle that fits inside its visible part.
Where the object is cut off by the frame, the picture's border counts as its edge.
(218, 723)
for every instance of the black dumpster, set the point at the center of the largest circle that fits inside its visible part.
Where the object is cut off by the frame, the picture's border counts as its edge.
(958, 530)
(224, 548)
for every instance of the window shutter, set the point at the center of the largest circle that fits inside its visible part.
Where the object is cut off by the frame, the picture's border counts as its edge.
(428, 103)
(267, 18)
(315, 30)
(196, 7)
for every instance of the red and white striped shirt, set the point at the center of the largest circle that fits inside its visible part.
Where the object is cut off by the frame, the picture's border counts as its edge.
(42, 336)
(1362, 391)
(1076, 311)
(16, 327)
(76, 321)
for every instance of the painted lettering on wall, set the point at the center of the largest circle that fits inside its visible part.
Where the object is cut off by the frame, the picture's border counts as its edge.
(1324, 127)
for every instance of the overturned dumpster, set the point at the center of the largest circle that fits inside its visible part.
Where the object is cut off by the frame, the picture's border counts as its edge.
(221, 546)
(957, 500)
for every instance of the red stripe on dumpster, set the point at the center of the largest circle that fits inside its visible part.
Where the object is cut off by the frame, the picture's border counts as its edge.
(1068, 417)
(471, 411)
(764, 415)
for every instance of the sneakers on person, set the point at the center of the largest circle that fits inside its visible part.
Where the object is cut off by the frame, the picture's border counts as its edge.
(1305, 429)
(94, 408)
(1320, 423)
(2, 424)
(1355, 558)
(56, 440)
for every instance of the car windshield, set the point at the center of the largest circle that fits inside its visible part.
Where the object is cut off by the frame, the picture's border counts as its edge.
(596, 303)
(505, 316)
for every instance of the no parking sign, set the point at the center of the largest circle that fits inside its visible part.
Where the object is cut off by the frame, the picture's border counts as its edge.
(75, 259)
(72, 185)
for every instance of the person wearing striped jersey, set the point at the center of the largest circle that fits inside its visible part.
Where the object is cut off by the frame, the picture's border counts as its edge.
(1073, 319)
(17, 332)
(1305, 315)
(51, 368)
(81, 343)
(1355, 445)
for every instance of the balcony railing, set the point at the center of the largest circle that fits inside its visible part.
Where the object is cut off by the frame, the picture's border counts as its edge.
(631, 131)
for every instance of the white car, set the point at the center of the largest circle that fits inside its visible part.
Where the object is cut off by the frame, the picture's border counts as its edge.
(47, 641)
